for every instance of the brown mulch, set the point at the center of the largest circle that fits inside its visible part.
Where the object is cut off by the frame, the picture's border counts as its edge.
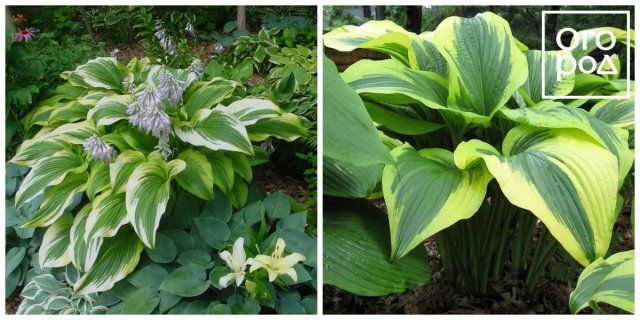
(504, 296)
(12, 302)
(202, 50)
(268, 179)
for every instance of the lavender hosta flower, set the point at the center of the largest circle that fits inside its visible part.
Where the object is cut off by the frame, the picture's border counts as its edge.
(164, 148)
(170, 87)
(197, 67)
(165, 40)
(155, 121)
(150, 97)
(190, 30)
(98, 149)
(134, 111)
(268, 146)
(127, 84)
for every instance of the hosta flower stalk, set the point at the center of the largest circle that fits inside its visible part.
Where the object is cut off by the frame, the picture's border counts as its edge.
(98, 149)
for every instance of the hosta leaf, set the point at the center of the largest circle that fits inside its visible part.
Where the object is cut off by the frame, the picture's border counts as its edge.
(356, 252)
(147, 193)
(222, 171)
(382, 36)
(98, 179)
(69, 112)
(104, 73)
(29, 154)
(287, 126)
(186, 281)
(216, 130)
(606, 280)
(551, 115)
(485, 64)
(349, 133)
(47, 172)
(121, 169)
(343, 180)
(57, 199)
(53, 251)
(206, 97)
(425, 193)
(588, 37)
(618, 113)
(110, 110)
(562, 176)
(399, 123)
(83, 252)
(108, 214)
(250, 110)
(241, 165)
(118, 257)
(74, 133)
(552, 87)
(391, 82)
(197, 176)
(239, 193)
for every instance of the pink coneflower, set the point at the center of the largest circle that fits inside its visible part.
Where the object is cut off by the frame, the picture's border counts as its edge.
(23, 35)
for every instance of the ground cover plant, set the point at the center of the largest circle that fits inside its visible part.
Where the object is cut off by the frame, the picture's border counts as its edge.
(191, 233)
(452, 132)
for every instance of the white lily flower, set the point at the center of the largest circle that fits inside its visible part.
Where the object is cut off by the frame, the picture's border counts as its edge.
(276, 264)
(237, 261)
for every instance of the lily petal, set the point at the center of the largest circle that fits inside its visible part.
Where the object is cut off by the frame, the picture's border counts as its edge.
(239, 279)
(224, 280)
(226, 257)
(292, 273)
(239, 256)
(290, 260)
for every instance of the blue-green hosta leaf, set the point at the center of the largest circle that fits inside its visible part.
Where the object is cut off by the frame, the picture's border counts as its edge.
(83, 252)
(223, 175)
(118, 257)
(606, 280)
(250, 110)
(485, 64)
(349, 134)
(216, 130)
(186, 281)
(147, 193)
(425, 193)
(356, 252)
(53, 251)
(286, 126)
(110, 110)
(564, 177)
(207, 96)
(552, 87)
(344, 180)
(618, 113)
(108, 214)
(99, 73)
(553, 115)
(98, 178)
(197, 176)
(121, 169)
(48, 172)
(57, 199)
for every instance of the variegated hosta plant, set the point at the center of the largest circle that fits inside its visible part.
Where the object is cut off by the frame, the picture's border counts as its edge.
(453, 109)
(126, 139)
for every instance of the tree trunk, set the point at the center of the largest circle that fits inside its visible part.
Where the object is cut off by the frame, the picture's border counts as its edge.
(87, 24)
(552, 20)
(380, 14)
(366, 12)
(414, 18)
(9, 20)
(242, 18)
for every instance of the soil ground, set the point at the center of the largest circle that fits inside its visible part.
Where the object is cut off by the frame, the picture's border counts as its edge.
(504, 296)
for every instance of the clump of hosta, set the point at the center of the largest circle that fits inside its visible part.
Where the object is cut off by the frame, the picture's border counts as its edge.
(275, 264)
(46, 295)
(131, 138)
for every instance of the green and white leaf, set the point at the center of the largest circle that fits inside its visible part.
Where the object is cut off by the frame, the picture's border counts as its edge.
(121, 169)
(215, 129)
(250, 110)
(110, 110)
(287, 126)
(99, 73)
(344, 180)
(207, 96)
(108, 214)
(147, 193)
(48, 172)
(552, 87)
(118, 257)
(53, 250)
(57, 199)
(83, 252)
(197, 177)
(616, 112)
